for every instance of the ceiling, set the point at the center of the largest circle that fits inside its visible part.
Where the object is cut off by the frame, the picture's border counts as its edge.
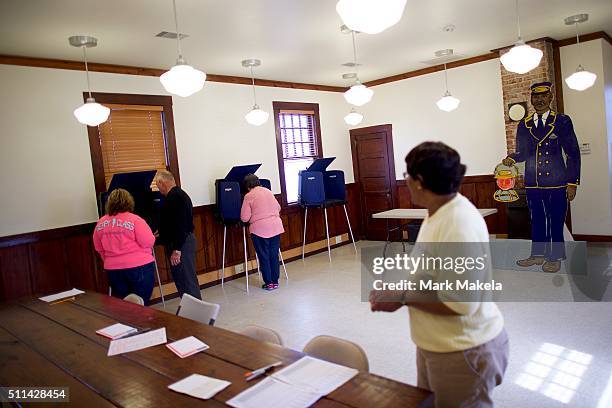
(297, 40)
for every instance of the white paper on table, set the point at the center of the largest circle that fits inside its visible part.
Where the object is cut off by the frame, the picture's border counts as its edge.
(187, 347)
(137, 342)
(116, 331)
(199, 386)
(61, 295)
(311, 373)
(272, 393)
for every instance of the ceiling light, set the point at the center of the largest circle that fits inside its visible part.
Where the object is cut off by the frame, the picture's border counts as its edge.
(358, 94)
(256, 116)
(448, 102)
(521, 58)
(90, 113)
(182, 79)
(370, 16)
(353, 118)
(581, 79)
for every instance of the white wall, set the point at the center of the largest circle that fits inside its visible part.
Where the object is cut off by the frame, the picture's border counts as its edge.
(592, 208)
(475, 129)
(45, 166)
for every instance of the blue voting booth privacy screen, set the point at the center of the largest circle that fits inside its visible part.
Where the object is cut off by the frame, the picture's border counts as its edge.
(230, 191)
(319, 187)
(146, 202)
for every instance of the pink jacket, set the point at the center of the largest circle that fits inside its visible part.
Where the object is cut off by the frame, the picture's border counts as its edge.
(261, 210)
(123, 241)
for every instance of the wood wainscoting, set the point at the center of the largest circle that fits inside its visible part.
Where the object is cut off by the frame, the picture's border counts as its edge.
(479, 190)
(50, 261)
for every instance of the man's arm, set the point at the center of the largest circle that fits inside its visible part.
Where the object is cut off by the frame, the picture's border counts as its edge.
(520, 154)
(569, 143)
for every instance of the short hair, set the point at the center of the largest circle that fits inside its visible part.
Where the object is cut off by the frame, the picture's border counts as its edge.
(166, 175)
(251, 181)
(437, 166)
(119, 201)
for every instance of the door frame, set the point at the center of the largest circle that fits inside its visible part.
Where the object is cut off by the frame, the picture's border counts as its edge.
(388, 129)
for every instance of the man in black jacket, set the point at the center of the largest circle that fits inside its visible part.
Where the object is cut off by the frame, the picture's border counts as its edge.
(176, 234)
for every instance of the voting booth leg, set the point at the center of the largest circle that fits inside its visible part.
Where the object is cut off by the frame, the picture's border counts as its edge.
(327, 234)
(280, 255)
(246, 265)
(258, 269)
(350, 229)
(223, 261)
(161, 291)
(304, 240)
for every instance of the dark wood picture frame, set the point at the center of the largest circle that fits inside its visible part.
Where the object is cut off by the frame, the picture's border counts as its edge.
(133, 99)
(278, 107)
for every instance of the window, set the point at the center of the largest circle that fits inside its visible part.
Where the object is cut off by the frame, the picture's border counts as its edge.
(298, 143)
(138, 135)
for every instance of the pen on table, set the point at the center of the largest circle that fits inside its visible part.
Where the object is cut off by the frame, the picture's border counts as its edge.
(251, 375)
(62, 300)
(135, 334)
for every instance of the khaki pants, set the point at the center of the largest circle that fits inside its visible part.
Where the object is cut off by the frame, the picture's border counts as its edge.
(464, 379)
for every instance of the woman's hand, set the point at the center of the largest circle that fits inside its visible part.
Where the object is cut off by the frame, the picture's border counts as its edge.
(385, 300)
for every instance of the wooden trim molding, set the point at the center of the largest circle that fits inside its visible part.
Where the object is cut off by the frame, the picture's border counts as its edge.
(129, 70)
(586, 37)
(592, 238)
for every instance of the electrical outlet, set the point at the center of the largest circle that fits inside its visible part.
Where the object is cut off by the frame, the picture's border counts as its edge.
(338, 239)
(239, 268)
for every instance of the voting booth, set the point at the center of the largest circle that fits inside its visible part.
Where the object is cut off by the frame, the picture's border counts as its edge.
(147, 203)
(322, 188)
(230, 192)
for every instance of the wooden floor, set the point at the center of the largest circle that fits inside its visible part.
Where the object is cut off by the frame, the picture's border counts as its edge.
(56, 345)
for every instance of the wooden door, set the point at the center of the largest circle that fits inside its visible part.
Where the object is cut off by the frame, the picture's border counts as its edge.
(374, 169)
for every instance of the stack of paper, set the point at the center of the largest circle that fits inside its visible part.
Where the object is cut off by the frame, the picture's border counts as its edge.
(298, 385)
(116, 331)
(199, 386)
(138, 342)
(187, 347)
(61, 295)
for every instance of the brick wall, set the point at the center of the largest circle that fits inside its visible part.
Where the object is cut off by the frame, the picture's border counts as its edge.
(515, 87)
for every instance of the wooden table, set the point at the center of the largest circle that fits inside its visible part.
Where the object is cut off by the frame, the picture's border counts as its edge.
(411, 214)
(56, 345)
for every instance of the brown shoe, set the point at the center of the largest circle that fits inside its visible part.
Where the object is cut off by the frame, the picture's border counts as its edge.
(551, 266)
(532, 260)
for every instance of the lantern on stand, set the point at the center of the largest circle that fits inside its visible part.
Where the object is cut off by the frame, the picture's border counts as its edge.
(505, 177)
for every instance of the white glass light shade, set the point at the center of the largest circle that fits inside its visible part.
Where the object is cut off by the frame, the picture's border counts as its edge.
(448, 102)
(581, 79)
(91, 113)
(256, 116)
(521, 58)
(183, 80)
(353, 118)
(358, 95)
(370, 16)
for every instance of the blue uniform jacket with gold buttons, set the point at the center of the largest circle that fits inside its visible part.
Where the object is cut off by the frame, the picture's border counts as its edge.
(542, 151)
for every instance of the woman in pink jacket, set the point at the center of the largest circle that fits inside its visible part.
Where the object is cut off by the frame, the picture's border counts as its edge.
(261, 210)
(125, 243)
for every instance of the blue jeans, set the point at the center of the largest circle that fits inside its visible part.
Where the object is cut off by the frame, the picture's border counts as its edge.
(267, 252)
(138, 280)
(548, 207)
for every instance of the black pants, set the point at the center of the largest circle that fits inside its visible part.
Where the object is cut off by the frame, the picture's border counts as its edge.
(138, 280)
(184, 274)
(267, 252)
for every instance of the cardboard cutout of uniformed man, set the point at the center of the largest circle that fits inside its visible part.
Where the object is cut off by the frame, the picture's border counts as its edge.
(542, 140)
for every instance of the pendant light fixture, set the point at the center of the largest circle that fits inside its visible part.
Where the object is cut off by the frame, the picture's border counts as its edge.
(90, 113)
(353, 118)
(521, 58)
(358, 94)
(182, 79)
(256, 116)
(581, 79)
(448, 102)
(370, 16)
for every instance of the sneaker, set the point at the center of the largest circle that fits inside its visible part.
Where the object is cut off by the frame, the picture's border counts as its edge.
(275, 285)
(268, 286)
